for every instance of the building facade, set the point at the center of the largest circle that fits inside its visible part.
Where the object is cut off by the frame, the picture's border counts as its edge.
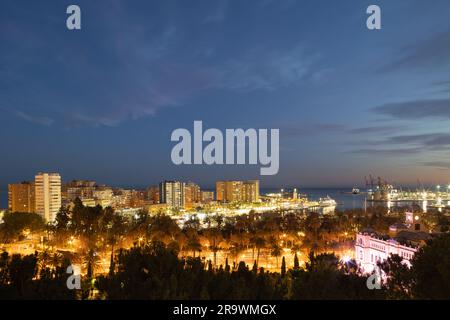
(250, 191)
(228, 191)
(371, 249)
(207, 196)
(48, 195)
(237, 191)
(81, 189)
(21, 197)
(172, 193)
(153, 194)
(192, 194)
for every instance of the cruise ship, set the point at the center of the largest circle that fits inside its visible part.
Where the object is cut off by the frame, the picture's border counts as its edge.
(327, 202)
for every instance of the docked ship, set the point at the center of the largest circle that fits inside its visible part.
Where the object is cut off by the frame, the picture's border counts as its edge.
(327, 202)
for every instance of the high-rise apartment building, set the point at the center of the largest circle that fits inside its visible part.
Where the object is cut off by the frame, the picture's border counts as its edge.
(153, 194)
(250, 191)
(229, 191)
(21, 197)
(207, 196)
(172, 193)
(78, 189)
(237, 191)
(192, 194)
(48, 195)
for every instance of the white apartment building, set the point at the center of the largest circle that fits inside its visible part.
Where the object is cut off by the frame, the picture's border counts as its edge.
(48, 195)
(172, 193)
(103, 194)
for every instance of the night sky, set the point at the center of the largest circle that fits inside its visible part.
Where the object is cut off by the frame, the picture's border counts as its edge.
(100, 103)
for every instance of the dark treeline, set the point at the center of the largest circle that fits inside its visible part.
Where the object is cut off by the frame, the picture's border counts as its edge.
(37, 276)
(153, 271)
(152, 257)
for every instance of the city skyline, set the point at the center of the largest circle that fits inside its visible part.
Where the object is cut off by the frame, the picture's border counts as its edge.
(215, 158)
(47, 195)
(25, 188)
(100, 103)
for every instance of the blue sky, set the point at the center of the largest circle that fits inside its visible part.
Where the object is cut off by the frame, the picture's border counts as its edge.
(101, 103)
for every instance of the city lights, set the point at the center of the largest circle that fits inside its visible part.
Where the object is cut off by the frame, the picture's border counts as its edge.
(228, 157)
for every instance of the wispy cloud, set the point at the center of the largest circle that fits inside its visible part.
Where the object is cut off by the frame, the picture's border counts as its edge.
(408, 144)
(268, 70)
(172, 87)
(358, 135)
(41, 120)
(443, 165)
(432, 52)
(426, 141)
(129, 66)
(311, 129)
(443, 86)
(376, 129)
(386, 152)
(416, 110)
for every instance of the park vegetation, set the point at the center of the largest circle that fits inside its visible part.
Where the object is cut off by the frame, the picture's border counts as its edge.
(153, 257)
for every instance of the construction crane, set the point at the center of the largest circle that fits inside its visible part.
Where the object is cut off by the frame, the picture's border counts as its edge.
(372, 184)
(420, 186)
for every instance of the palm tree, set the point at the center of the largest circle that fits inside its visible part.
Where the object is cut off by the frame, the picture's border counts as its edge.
(141, 224)
(312, 227)
(116, 232)
(50, 230)
(56, 259)
(241, 226)
(218, 219)
(194, 245)
(92, 262)
(214, 235)
(44, 259)
(235, 249)
(275, 251)
(163, 228)
(259, 243)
